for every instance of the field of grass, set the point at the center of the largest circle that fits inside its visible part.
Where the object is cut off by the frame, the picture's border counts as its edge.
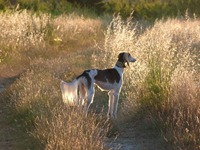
(162, 86)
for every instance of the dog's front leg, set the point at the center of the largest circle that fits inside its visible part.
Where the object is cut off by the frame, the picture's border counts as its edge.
(110, 105)
(115, 105)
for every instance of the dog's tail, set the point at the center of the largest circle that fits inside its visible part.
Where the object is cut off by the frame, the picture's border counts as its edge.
(69, 92)
(76, 91)
(73, 93)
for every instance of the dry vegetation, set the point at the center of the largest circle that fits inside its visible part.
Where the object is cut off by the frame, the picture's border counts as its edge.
(163, 86)
(26, 36)
(164, 83)
(46, 45)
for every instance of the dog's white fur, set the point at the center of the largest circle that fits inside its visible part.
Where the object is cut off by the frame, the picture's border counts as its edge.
(109, 80)
(74, 93)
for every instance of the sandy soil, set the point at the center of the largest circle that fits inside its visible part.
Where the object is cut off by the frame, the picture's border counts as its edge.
(136, 136)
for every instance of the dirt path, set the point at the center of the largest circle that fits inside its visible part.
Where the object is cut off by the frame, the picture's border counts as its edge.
(7, 132)
(135, 136)
(12, 135)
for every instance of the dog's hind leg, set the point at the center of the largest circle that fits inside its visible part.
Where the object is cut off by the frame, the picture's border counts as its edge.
(89, 100)
(81, 94)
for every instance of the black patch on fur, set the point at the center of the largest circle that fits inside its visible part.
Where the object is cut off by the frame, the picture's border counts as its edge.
(87, 77)
(121, 57)
(110, 75)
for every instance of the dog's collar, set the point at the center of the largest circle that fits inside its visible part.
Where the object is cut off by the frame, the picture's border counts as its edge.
(120, 64)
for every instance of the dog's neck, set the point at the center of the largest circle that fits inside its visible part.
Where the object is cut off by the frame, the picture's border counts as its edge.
(120, 64)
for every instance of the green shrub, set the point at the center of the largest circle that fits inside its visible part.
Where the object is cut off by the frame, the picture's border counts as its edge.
(124, 7)
(151, 10)
(52, 7)
(143, 9)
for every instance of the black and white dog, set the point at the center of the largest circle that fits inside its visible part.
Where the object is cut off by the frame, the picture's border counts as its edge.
(109, 80)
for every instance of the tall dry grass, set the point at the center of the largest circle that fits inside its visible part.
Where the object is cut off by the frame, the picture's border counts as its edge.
(37, 102)
(26, 36)
(21, 28)
(21, 32)
(50, 47)
(180, 114)
(163, 84)
(77, 32)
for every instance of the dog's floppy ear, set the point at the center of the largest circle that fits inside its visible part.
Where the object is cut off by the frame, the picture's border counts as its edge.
(127, 62)
(126, 55)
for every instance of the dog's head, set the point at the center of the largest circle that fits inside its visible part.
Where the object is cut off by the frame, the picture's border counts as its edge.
(126, 58)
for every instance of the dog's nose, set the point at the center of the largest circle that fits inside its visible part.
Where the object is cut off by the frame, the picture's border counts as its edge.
(133, 60)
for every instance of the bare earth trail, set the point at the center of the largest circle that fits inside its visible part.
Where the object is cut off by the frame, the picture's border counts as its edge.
(136, 136)
(8, 139)
(11, 136)
(132, 135)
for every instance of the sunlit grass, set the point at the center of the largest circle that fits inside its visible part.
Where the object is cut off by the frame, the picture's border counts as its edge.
(26, 36)
(162, 85)
(37, 99)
